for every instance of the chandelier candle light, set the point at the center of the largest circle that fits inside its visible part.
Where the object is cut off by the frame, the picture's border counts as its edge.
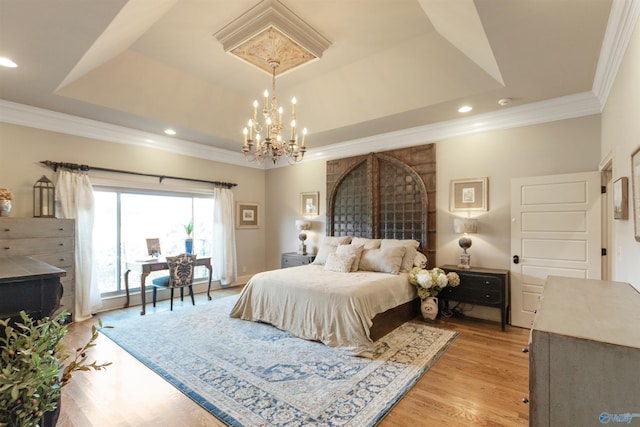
(269, 139)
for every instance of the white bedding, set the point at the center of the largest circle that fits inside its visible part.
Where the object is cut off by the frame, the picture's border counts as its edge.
(316, 304)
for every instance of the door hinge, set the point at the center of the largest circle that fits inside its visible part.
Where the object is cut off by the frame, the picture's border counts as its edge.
(603, 189)
(603, 251)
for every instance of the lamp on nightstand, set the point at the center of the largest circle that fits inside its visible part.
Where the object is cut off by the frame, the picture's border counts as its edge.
(302, 225)
(465, 226)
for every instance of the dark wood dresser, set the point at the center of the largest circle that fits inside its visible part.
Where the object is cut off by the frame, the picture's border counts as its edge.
(480, 286)
(30, 285)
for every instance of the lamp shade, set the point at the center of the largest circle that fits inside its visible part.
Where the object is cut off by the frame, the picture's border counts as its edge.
(465, 225)
(301, 224)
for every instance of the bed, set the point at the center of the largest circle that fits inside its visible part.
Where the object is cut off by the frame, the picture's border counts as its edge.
(347, 306)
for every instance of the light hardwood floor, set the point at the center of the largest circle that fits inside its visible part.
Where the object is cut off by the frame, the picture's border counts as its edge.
(479, 381)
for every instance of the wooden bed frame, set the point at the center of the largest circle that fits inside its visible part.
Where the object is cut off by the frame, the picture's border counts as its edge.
(386, 322)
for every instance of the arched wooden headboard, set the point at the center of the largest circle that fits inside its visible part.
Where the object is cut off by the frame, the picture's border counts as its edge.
(387, 195)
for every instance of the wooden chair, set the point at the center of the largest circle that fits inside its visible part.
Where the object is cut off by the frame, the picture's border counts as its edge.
(180, 276)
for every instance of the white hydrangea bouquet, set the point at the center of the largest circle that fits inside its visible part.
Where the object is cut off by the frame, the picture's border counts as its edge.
(429, 283)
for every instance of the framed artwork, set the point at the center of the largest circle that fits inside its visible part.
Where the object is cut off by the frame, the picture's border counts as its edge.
(153, 247)
(310, 203)
(621, 198)
(635, 181)
(469, 195)
(247, 215)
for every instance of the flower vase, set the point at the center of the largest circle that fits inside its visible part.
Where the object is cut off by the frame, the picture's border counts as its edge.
(188, 246)
(429, 308)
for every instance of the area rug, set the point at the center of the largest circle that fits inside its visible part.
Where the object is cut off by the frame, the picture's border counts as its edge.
(253, 374)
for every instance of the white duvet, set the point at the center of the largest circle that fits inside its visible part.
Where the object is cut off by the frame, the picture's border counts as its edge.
(316, 304)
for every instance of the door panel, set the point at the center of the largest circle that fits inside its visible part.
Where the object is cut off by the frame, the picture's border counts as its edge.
(555, 230)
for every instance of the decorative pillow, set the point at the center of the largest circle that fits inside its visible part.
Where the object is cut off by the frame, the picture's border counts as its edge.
(324, 250)
(384, 260)
(367, 243)
(420, 260)
(336, 240)
(339, 263)
(355, 250)
(410, 254)
(329, 245)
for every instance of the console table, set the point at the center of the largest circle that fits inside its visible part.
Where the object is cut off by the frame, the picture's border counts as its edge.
(480, 286)
(30, 285)
(147, 266)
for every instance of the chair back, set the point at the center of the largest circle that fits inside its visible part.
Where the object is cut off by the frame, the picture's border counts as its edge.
(181, 270)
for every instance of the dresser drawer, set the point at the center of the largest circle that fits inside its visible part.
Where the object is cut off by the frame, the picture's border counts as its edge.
(294, 260)
(473, 295)
(35, 246)
(482, 282)
(24, 228)
(63, 260)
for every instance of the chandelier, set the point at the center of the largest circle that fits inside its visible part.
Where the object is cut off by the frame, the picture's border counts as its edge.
(268, 139)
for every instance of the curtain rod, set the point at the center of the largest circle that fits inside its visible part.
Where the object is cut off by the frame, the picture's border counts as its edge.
(74, 166)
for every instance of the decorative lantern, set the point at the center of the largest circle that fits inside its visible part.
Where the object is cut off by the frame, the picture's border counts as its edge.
(44, 195)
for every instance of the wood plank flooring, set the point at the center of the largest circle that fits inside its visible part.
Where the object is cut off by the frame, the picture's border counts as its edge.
(479, 381)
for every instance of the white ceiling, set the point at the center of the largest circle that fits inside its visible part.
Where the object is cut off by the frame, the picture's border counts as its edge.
(392, 64)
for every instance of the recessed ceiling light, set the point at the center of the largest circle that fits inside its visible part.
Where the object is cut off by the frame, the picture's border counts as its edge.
(6, 62)
(504, 101)
(464, 109)
(170, 131)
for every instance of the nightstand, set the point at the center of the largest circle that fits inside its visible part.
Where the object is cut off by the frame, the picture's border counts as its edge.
(480, 286)
(293, 259)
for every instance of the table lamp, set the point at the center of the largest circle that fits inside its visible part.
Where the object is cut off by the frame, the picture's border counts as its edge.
(465, 226)
(302, 225)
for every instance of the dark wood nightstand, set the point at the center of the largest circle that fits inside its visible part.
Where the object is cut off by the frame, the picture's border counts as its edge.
(480, 286)
(292, 259)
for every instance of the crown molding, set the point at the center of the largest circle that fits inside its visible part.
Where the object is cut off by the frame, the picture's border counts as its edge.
(622, 21)
(39, 118)
(566, 107)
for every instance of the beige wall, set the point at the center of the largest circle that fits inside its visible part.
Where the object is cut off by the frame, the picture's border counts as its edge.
(22, 148)
(620, 138)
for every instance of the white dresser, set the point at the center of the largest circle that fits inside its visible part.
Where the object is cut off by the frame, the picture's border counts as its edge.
(584, 354)
(49, 240)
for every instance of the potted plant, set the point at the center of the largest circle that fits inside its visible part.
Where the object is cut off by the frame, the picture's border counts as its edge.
(34, 368)
(188, 242)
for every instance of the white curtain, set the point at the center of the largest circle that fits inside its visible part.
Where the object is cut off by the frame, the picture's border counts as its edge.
(223, 256)
(75, 195)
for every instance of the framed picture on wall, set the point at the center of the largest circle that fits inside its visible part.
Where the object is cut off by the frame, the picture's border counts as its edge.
(635, 182)
(247, 215)
(621, 198)
(310, 203)
(469, 195)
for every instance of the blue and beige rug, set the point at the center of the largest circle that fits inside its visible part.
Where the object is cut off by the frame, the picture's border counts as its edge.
(252, 374)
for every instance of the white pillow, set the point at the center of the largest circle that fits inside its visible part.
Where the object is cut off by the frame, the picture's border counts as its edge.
(367, 243)
(355, 250)
(324, 250)
(410, 254)
(384, 260)
(339, 263)
(336, 240)
(420, 260)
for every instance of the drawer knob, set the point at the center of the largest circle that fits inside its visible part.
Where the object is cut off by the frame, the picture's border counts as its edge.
(487, 296)
(7, 229)
(60, 244)
(7, 248)
(525, 350)
(525, 400)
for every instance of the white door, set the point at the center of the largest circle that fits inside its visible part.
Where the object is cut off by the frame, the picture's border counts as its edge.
(555, 230)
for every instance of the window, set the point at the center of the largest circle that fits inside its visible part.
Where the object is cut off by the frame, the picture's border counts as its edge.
(126, 218)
